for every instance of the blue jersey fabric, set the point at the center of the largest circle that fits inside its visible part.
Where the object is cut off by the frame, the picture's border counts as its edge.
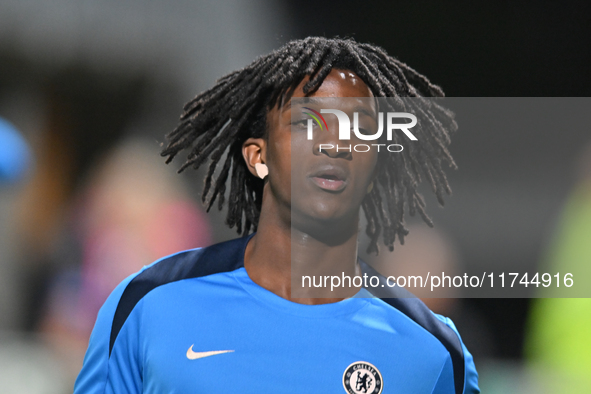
(194, 322)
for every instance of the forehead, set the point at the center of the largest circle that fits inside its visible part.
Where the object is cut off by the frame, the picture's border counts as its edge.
(338, 83)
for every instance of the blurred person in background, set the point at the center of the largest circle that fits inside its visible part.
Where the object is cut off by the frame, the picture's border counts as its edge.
(558, 340)
(433, 250)
(15, 154)
(222, 318)
(130, 212)
(427, 250)
(16, 159)
(25, 365)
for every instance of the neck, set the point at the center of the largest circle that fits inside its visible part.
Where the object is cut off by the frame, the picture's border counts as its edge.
(279, 255)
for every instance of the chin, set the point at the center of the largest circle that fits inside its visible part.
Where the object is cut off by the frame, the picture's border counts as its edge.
(323, 215)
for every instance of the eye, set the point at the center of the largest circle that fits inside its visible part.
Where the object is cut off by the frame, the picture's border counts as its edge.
(364, 131)
(299, 125)
(303, 124)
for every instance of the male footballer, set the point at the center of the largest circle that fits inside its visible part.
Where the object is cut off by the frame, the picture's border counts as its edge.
(225, 318)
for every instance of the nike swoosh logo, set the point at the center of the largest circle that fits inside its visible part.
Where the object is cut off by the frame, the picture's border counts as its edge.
(191, 355)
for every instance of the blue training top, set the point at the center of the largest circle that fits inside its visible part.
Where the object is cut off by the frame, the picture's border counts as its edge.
(194, 322)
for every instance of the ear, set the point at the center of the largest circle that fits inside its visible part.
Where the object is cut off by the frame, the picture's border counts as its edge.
(254, 150)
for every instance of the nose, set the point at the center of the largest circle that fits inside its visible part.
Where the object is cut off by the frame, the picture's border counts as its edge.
(327, 142)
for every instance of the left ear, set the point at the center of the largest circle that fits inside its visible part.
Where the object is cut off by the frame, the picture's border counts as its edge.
(254, 150)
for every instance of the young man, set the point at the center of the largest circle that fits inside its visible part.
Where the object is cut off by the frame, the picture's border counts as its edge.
(224, 318)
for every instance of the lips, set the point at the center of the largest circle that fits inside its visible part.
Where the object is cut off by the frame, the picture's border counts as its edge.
(330, 178)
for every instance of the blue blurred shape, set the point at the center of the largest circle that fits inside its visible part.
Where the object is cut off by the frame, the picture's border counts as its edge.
(15, 154)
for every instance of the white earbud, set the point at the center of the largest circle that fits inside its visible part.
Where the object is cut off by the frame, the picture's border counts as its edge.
(262, 170)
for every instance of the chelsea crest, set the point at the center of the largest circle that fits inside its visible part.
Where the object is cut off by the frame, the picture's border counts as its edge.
(362, 378)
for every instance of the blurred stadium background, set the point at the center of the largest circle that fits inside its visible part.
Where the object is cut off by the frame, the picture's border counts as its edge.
(89, 88)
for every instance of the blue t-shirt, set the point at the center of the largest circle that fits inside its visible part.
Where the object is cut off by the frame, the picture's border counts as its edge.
(194, 322)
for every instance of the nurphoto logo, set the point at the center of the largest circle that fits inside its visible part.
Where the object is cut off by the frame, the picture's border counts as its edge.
(362, 134)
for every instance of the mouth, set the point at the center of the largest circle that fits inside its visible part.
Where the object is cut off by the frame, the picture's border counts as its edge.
(332, 179)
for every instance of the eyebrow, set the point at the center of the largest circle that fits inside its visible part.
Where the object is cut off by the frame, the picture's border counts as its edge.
(303, 100)
(321, 100)
(362, 110)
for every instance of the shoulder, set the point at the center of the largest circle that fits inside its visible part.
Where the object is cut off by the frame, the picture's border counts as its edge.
(442, 329)
(196, 263)
(222, 257)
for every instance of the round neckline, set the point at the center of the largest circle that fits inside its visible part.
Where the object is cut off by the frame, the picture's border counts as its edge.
(270, 299)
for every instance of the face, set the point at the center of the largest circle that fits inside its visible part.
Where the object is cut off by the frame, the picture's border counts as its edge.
(319, 185)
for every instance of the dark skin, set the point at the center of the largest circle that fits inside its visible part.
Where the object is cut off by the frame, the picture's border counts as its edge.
(306, 226)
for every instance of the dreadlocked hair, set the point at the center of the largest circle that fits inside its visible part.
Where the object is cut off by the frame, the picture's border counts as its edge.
(219, 120)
